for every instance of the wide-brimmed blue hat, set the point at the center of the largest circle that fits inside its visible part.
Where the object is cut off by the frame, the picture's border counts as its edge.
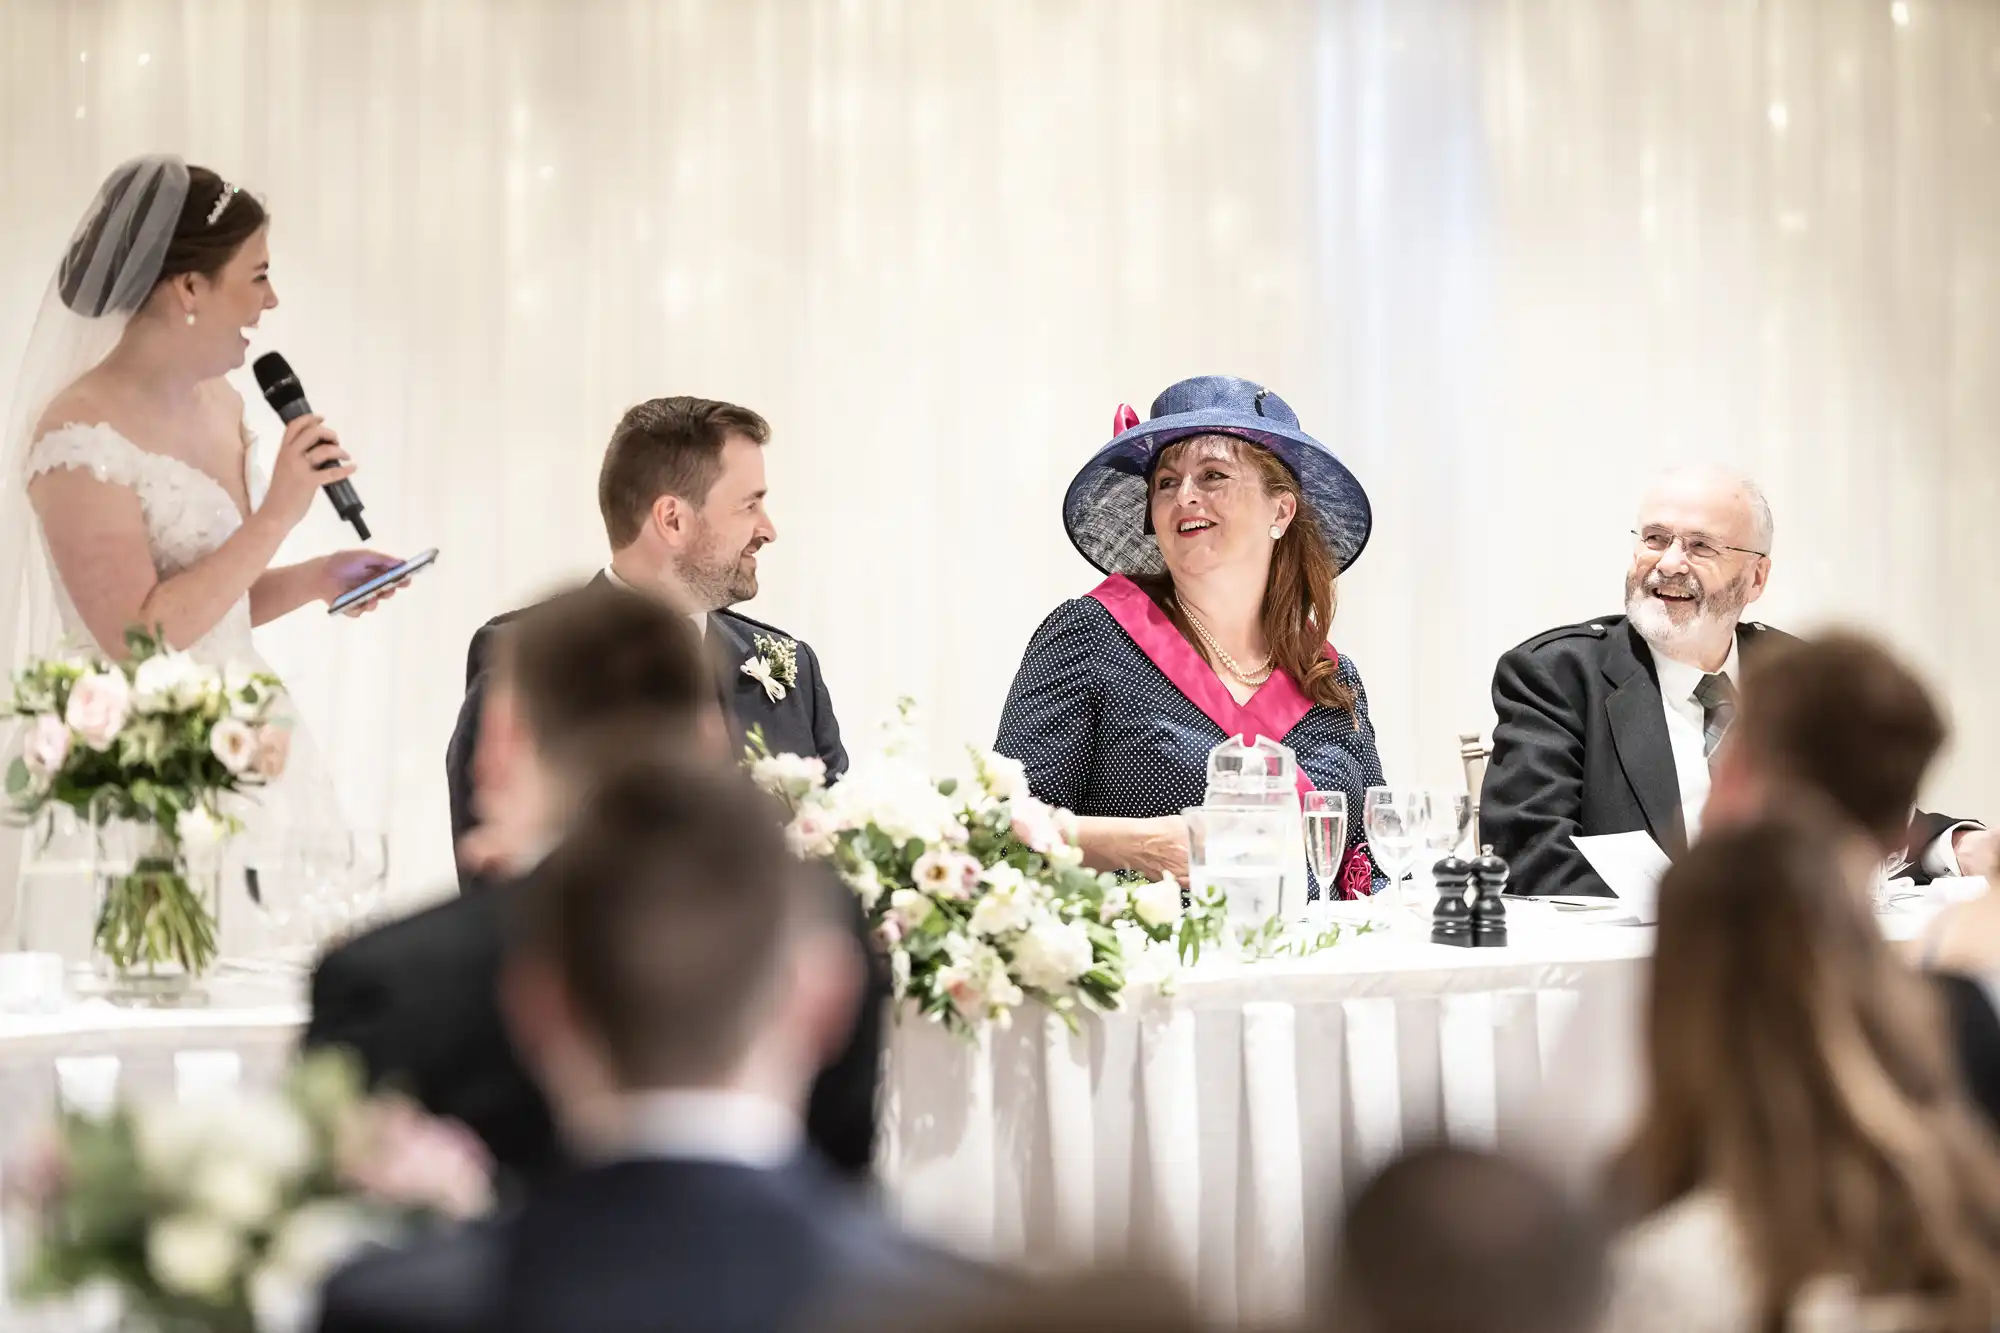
(1106, 510)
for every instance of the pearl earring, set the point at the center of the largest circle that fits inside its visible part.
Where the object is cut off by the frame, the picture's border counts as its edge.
(190, 319)
(1276, 532)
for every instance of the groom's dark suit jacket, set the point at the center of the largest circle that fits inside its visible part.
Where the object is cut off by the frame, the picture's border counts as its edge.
(416, 998)
(800, 723)
(1581, 746)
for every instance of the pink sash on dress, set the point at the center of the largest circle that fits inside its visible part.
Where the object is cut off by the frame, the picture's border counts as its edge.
(1272, 711)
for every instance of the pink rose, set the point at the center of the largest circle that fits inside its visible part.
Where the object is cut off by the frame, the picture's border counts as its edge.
(947, 874)
(811, 833)
(890, 932)
(274, 748)
(99, 703)
(46, 747)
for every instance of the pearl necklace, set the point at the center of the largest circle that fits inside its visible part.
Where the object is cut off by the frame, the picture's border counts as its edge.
(1257, 677)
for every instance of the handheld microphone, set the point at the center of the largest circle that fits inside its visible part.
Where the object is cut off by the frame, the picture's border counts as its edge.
(287, 398)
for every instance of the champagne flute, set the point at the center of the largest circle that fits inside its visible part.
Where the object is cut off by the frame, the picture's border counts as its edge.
(1325, 815)
(1395, 819)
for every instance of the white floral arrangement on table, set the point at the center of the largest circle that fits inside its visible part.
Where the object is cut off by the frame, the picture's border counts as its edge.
(158, 738)
(227, 1214)
(976, 890)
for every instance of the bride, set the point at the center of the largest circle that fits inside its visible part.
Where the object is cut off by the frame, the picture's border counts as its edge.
(129, 495)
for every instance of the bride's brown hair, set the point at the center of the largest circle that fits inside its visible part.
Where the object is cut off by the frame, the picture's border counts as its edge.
(196, 246)
(201, 246)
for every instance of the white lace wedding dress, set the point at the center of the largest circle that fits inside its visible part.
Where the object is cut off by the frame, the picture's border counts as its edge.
(188, 515)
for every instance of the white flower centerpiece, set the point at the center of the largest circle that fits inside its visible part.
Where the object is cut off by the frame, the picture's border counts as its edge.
(146, 747)
(226, 1214)
(975, 890)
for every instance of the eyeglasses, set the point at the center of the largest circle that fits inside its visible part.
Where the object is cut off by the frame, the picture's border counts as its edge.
(1700, 550)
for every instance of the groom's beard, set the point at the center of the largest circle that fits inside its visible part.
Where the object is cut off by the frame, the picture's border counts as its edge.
(717, 578)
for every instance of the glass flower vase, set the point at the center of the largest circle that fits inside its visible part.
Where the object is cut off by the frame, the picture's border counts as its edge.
(158, 901)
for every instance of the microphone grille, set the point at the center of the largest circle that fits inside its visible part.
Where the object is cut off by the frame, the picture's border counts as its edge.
(275, 378)
(271, 369)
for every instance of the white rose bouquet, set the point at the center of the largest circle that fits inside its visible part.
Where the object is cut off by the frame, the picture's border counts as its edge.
(157, 738)
(975, 890)
(202, 1214)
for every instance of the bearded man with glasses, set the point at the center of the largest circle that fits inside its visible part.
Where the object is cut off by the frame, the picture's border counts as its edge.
(1610, 725)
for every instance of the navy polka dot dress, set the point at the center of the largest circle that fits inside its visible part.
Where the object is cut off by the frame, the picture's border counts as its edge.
(1102, 731)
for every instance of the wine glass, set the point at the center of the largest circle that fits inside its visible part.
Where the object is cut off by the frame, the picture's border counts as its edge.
(354, 903)
(1395, 819)
(1450, 821)
(1444, 833)
(1325, 814)
(294, 875)
(271, 887)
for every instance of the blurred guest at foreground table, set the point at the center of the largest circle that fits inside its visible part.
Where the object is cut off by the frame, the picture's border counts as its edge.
(1448, 1240)
(578, 681)
(1806, 1156)
(1834, 718)
(677, 980)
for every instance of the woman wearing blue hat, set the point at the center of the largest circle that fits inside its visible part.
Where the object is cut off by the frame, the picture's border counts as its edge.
(1222, 527)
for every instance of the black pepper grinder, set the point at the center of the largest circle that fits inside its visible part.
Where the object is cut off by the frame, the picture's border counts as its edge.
(1489, 907)
(1451, 919)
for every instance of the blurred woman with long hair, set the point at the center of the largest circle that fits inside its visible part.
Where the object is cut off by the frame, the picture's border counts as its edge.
(1807, 1139)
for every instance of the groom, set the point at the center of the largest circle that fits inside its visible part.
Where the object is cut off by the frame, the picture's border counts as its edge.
(682, 494)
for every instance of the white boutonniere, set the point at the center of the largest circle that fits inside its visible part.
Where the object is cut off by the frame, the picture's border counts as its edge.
(775, 666)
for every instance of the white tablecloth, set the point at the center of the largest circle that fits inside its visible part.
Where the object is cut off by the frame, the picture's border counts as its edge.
(1221, 1129)
(91, 1051)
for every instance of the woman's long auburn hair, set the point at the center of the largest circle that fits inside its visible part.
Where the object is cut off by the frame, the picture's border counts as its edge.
(1801, 1069)
(1299, 597)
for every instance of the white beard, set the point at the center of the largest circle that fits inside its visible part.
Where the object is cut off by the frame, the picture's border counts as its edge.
(1719, 614)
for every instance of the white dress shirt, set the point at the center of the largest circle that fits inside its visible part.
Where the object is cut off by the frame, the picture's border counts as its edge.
(708, 1125)
(1686, 724)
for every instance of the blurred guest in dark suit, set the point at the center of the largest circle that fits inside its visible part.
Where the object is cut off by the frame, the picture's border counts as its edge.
(581, 680)
(675, 983)
(1448, 1240)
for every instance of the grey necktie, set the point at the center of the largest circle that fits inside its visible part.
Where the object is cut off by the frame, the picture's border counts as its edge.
(1717, 698)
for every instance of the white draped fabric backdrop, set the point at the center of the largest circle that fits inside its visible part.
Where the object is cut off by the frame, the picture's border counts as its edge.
(1507, 256)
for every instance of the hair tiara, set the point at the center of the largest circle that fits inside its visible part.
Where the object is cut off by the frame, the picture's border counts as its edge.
(221, 203)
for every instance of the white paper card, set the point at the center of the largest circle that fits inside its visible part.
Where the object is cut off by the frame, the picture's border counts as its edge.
(1631, 866)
